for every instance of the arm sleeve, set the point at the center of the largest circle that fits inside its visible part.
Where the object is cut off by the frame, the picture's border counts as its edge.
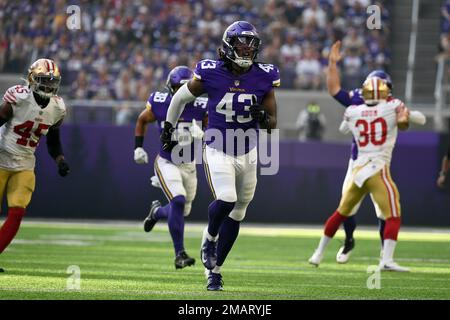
(179, 100)
(54, 143)
(343, 97)
(417, 117)
(344, 128)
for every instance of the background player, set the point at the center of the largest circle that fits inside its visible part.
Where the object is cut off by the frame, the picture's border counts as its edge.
(444, 169)
(27, 113)
(241, 98)
(374, 127)
(346, 99)
(177, 179)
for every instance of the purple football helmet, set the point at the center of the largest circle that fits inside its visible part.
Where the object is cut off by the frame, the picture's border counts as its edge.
(177, 77)
(240, 43)
(382, 75)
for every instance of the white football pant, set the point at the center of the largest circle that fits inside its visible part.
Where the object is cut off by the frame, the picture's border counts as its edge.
(177, 180)
(232, 178)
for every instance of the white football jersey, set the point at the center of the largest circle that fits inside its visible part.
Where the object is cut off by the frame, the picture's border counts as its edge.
(374, 129)
(20, 136)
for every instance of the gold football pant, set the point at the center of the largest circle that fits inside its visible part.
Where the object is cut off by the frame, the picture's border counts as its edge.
(383, 190)
(19, 186)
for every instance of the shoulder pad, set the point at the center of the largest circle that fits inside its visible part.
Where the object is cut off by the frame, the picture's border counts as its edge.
(271, 71)
(16, 94)
(159, 97)
(203, 67)
(60, 105)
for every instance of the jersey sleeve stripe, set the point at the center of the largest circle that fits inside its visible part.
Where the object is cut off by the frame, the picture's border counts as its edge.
(148, 106)
(276, 83)
(197, 76)
(10, 98)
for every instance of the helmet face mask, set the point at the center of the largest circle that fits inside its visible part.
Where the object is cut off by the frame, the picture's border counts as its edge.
(44, 78)
(177, 77)
(45, 85)
(241, 43)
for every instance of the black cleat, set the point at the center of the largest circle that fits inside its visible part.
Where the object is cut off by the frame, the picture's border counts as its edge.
(2, 270)
(344, 252)
(150, 221)
(183, 260)
(348, 245)
(215, 282)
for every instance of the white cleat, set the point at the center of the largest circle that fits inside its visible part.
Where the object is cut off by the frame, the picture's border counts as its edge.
(342, 257)
(315, 259)
(392, 266)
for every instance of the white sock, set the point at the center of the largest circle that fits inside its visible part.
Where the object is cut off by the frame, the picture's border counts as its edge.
(323, 244)
(388, 250)
(216, 269)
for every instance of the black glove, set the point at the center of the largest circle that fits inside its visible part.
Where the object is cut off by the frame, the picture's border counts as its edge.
(259, 114)
(166, 137)
(63, 168)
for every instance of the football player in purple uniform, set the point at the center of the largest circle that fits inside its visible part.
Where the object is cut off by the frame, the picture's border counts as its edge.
(354, 97)
(177, 174)
(241, 100)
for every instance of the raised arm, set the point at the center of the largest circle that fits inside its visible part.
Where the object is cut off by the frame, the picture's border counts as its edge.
(333, 80)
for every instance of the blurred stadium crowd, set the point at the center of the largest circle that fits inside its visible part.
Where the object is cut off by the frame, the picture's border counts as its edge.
(125, 49)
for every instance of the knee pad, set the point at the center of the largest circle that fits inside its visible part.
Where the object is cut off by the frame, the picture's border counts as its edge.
(239, 211)
(187, 208)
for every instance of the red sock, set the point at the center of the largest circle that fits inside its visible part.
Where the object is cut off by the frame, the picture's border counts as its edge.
(10, 226)
(333, 223)
(392, 228)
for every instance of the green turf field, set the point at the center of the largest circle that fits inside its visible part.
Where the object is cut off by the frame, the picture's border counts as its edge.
(123, 262)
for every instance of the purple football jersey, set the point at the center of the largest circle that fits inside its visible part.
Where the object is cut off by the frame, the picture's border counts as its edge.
(159, 103)
(229, 100)
(353, 97)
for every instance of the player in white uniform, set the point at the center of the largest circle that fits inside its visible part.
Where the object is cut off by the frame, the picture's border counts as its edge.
(27, 113)
(374, 127)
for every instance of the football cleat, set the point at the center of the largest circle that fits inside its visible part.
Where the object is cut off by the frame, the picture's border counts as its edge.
(150, 221)
(316, 258)
(345, 251)
(208, 251)
(215, 282)
(183, 260)
(2, 270)
(392, 266)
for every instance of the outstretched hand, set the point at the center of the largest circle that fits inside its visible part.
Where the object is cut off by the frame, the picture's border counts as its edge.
(335, 52)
